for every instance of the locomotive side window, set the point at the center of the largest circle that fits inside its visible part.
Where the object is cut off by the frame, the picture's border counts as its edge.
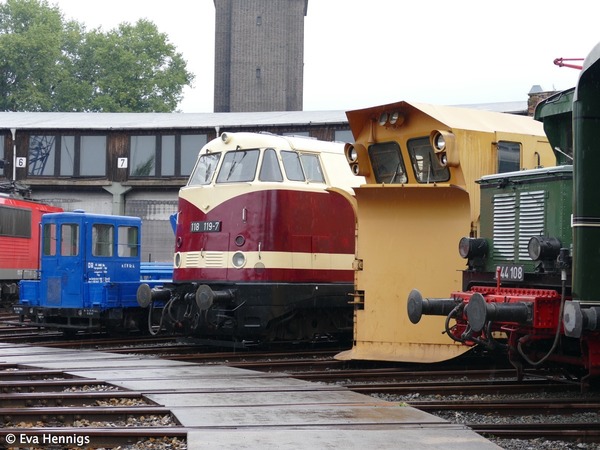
(387, 163)
(509, 156)
(205, 169)
(270, 170)
(312, 168)
(292, 166)
(102, 239)
(426, 165)
(69, 239)
(238, 166)
(15, 222)
(127, 241)
(49, 243)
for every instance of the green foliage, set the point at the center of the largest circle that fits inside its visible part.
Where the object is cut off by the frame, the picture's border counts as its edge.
(49, 64)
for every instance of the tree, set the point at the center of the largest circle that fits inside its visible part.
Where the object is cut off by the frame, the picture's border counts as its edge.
(49, 64)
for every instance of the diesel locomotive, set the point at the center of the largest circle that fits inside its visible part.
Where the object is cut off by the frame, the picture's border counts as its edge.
(264, 245)
(529, 283)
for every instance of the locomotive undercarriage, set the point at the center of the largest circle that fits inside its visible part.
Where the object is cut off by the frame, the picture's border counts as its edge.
(526, 322)
(254, 314)
(71, 320)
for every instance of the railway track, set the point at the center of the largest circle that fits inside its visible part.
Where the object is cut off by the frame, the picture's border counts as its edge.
(36, 399)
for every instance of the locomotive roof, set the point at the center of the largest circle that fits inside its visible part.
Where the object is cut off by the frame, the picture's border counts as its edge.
(454, 117)
(553, 170)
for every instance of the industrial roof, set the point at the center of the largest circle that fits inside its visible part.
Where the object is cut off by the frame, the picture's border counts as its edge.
(121, 121)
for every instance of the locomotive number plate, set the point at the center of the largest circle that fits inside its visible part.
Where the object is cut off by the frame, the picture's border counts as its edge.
(511, 273)
(209, 226)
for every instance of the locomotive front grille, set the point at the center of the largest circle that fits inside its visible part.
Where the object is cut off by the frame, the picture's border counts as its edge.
(531, 219)
(204, 259)
(504, 226)
(518, 217)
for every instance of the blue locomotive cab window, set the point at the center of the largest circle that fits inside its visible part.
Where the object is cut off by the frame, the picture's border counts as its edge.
(425, 163)
(270, 170)
(509, 156)
(69, 239)
(102, 239)
(387, 163)
(205, 169)
(238, 166)
(128, 241)
(49, 241)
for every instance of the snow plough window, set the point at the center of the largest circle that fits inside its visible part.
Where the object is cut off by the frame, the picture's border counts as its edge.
(387, 163)
(425, 164)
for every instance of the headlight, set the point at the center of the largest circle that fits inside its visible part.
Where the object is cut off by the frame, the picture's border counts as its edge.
(238, 260)
(543, 248)
(177, 261)
(439, 142)
(383, 119)
(469, 248)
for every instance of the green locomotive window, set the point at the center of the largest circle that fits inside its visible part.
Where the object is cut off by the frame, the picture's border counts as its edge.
(509, 157)
(425, 163)
(387, 163)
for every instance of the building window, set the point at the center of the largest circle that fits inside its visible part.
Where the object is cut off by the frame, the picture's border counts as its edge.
(92, 156)
(343, 136)
(67, 156)
(142, 156)
(41, 154)
(190, 147)
(167, 156)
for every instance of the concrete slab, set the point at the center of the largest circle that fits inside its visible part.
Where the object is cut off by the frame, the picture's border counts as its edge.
(329, 416)
(339, 396)
(187, 370)
(212, 384)
(420, 438)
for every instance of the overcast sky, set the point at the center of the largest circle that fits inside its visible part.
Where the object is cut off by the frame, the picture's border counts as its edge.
(365, 53)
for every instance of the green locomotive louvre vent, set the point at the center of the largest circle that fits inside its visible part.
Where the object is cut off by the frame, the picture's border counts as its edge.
(504, 226)
(531, 219)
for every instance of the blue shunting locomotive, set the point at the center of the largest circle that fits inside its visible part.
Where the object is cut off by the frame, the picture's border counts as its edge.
(90, 271)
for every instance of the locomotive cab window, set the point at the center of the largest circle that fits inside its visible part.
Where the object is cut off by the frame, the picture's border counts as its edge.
(205, 169)
(425, 163)
(127, 241)
(302, 167)
(312, 168)
(238, 166)
(69, 239)
(269, 169)
(387, 163)
(102, 239)
(49, 242)
(509, 156)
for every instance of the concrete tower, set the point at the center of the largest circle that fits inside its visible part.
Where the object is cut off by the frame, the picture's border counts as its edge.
(259, 55)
